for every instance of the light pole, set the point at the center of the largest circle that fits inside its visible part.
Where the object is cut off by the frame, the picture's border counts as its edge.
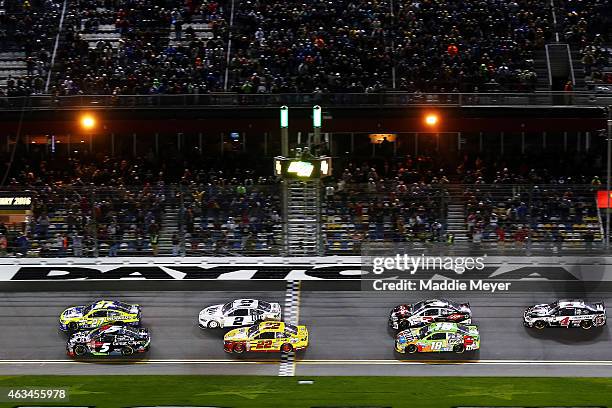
(284, 125)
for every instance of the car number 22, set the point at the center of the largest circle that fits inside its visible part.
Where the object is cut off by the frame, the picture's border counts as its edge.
(264, 344)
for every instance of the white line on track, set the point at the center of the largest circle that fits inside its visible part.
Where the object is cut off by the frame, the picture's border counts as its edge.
(328, 362)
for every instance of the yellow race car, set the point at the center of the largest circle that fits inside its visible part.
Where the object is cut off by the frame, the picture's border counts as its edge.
(97, 314)
(266, 337)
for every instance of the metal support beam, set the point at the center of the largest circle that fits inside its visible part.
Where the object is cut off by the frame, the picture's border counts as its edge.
(285, 142)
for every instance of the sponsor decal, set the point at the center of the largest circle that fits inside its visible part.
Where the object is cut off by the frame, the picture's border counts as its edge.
(15, 201)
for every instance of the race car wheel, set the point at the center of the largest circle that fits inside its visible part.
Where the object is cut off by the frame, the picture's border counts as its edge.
(412, 348)
(539, 324)
(127, 351)
(403, 325)
(459, 348)
(80, 350)
(586, 324)
(238, 348)
(73, 326)
(213, 324)
(286, 347)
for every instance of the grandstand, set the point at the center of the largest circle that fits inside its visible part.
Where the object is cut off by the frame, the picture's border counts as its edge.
(254, 47)
(175, 170)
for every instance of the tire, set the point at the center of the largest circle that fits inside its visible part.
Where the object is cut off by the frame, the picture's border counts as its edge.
(586, 324)
(411, 349)
(239, 348)
(73, 327)
(459, 348)
(286, 348)
(127, 351)
(80, 350)
(213, 324)
(539, 324)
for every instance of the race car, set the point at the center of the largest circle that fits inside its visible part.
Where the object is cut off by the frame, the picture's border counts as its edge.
(565, 313)
(266, 337)
(97, 314)
(438, 337)
(429, 311)
(109, 339)
(240, 312)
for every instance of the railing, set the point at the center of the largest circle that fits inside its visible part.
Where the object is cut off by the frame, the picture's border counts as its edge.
(237, 220)
(389, 99)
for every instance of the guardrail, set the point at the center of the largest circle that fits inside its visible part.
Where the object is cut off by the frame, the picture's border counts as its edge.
(389, 99)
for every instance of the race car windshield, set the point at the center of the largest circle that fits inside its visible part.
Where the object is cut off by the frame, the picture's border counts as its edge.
(265, 306)
(553, 306)
(424, 332)
(463, 329)
(88, 308)
(253, 331)
(418, 306)
(291, 329)
(226, 307)
(122, 305)
(454, 305)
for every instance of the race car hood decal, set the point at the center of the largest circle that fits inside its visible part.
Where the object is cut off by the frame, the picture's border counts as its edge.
(408, 335)
(237, 334)
(212, 310)
(402, 311)
(540, 310)
(72, 312)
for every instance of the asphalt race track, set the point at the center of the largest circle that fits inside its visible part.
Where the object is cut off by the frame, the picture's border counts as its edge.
(348, 335)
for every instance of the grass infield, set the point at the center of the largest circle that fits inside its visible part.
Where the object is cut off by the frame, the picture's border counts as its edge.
(269, 392)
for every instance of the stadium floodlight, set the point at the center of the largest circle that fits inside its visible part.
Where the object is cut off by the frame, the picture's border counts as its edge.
(88, 122)
(284, 116)
(316, 116)
(431, 119)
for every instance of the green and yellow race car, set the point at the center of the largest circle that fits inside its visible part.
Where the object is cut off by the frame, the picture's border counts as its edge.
(97, 314)
(438, 337)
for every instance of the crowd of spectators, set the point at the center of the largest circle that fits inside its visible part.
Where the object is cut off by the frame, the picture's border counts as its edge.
(526, 206)
(391, 202)
(304, 46)
(228, 215)
(451, 46)
(118, 207)
(587, 25)
(29, 26)
(312, 46)
(144, 59)
(87, 208)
